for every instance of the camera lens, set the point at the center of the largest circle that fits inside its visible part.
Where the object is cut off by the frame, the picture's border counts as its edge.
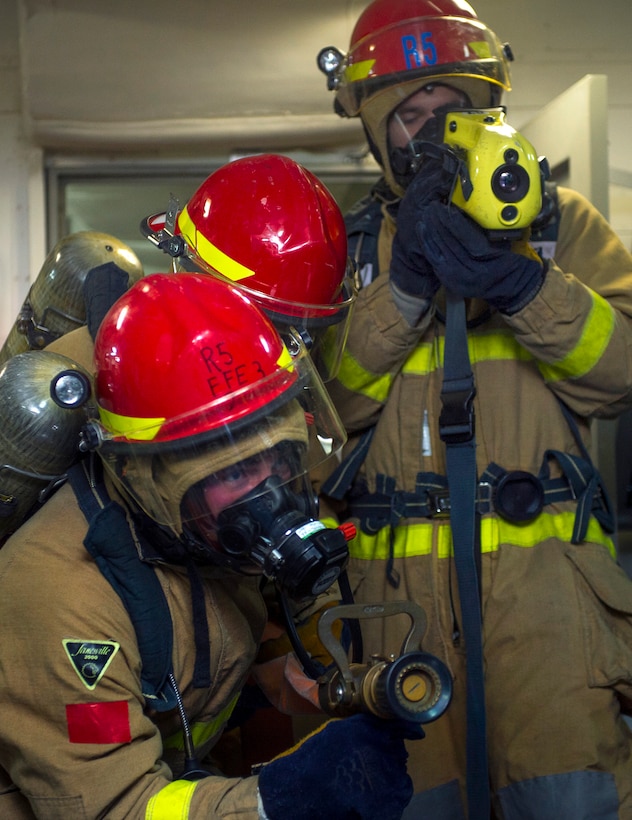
(510, 183)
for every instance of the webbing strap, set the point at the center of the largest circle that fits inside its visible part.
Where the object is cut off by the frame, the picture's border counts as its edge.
(341, 479)
(457, 430)
(109, 542)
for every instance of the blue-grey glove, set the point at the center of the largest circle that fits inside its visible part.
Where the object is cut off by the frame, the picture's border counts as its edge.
(411, 272)
(469, 264)
(350, 768)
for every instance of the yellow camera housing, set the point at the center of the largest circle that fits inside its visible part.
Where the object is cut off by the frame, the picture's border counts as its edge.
(500, 185)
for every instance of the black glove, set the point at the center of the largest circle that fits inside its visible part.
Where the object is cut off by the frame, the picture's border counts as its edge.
(469, 264)
(349, 768)
(411, 272)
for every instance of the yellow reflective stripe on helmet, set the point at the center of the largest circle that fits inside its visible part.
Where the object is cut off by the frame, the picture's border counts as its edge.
(358, 71)
(285, 359)
(481, 49)
(418, 539)
(201, 732)
(174, 801)
(140, 429)
(596, 335)
(211, 254)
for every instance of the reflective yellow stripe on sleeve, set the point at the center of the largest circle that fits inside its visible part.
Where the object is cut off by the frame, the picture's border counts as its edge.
(417, 539)
(597, 333)
(202, 731)
(485, 347)
(494, 346)
(357, 379)
(171, 803)
(428, 357)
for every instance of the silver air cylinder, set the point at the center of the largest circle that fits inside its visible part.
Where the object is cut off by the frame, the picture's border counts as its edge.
(44, 402)
(55, 305)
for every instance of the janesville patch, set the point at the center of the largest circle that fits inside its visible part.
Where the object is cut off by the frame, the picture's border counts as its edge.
(90, 659)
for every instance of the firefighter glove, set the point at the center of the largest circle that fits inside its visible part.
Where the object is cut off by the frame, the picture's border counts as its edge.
(411, 272)
(351, 767)
(470, 264)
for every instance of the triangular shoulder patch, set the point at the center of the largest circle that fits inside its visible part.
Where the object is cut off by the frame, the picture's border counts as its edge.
(90, 659)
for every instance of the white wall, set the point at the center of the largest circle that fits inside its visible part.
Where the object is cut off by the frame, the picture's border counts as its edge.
(22, 216)
(540, 72)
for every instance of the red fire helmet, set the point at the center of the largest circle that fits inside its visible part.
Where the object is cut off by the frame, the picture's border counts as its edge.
(182, 355)
(270, 226)
(192, 379)
(403, 40)
(399, 46)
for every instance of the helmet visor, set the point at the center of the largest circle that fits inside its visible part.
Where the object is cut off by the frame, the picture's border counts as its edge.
(156, 474)
(424, 47)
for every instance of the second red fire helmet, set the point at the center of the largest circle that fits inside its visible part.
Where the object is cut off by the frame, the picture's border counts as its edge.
(272, 228)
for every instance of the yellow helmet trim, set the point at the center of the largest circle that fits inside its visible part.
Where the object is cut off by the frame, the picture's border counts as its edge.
(131, 427)
(358, 71)
(481, 49)
(143, 429)
(211, 254)
(285, 359)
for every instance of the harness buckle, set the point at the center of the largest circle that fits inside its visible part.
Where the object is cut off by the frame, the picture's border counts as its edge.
(456, 421)
(439, 505)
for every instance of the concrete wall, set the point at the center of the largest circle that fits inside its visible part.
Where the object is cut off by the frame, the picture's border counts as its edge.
(22, 201)
(22, 214)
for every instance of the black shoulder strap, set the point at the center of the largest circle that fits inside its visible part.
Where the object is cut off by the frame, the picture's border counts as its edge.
(339, 482)
(109, 541)
(102, 286)
(363, 227)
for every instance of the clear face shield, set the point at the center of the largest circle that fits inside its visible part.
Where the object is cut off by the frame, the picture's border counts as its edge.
(238, 494)
(259, 517)
(322, 328)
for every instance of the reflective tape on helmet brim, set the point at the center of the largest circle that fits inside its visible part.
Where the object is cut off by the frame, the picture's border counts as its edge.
(209, 253)
(136, 428)
(146, 429)
(358, 71)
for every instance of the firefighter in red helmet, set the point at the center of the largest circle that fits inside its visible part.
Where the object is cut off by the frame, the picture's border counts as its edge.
(401, 48)
(141, 582)
(468, 389)
(287, 250)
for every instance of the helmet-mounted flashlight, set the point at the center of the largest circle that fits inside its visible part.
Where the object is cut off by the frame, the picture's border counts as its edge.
(329, 60)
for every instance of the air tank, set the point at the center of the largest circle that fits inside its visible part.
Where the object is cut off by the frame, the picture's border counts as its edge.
(55, 305)
(44, 403)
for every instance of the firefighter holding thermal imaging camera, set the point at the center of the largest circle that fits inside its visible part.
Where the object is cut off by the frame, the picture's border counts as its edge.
(493, 326)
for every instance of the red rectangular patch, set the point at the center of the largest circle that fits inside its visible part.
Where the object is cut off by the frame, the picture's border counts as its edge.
(98, 722)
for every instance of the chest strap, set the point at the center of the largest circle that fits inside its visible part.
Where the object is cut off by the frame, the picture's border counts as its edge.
(515, 495)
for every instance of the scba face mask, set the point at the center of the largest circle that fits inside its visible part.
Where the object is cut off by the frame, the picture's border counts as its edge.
(269, 529)
(406, 161)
